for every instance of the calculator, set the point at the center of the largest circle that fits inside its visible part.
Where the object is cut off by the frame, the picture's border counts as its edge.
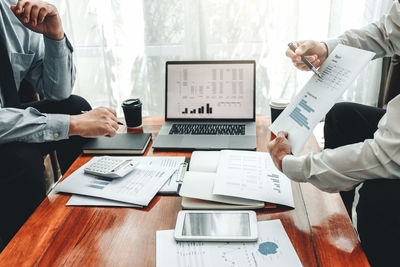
(111, 167)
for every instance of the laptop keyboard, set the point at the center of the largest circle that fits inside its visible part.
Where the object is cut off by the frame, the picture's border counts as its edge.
(208, 129)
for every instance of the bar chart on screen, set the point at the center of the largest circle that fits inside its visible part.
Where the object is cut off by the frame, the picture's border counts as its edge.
(210, 90)
(311, 104)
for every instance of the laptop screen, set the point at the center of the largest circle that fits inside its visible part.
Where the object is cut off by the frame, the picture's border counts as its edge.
(210, 90)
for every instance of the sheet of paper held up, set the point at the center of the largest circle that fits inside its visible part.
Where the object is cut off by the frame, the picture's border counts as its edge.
(138, 187)
(252, 175)
(273, 248)
(319, 94)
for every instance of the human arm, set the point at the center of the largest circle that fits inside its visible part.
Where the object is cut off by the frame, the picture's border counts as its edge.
(51, 72)
(31, 126)
(343, 168)
(381, 37)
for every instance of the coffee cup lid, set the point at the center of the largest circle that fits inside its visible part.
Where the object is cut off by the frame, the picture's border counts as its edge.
(131, 102)
(280, 103)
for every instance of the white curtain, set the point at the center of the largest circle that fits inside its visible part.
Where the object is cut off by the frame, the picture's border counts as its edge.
(121, 46)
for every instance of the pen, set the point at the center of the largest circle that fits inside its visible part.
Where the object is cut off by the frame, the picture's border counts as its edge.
(84, 111)
(293, 47)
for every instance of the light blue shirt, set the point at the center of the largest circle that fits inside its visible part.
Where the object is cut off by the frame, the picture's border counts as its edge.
(47, 64)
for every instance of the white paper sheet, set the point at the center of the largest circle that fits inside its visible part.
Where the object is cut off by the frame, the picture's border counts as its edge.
(170, 186)
(138, 187)
(200, 185)
(273, 248)
(78, 200)
(317, 97)
(204, 161)
(252, 175)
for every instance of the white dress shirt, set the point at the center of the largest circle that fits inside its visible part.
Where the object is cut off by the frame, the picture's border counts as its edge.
(345, 167)
(48, 65)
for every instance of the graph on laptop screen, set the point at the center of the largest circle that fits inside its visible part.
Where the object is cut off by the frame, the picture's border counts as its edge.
(210, 91)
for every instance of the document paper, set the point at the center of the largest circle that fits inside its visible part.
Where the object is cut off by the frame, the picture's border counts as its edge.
(317, 97)
(273, 248)
(252, 175)
(138, 187)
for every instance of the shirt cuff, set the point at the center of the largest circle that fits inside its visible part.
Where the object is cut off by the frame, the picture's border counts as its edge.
(292, 167)
(57, 127)
(331, 44)
(55, 48)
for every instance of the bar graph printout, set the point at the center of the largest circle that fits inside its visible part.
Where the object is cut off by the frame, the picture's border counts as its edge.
(252, 175)
(319, 94)
(273, 248)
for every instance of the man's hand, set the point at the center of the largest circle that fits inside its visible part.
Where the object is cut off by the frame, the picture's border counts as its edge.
(279, 148)
(314, 51)
(40, 17)
(100, 121)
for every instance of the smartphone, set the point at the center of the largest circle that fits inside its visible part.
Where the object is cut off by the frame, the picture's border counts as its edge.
(211, 225)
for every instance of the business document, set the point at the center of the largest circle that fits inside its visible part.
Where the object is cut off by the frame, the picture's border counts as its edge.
(317, 97)
(138, 187)
(273, 248)
(252, 175)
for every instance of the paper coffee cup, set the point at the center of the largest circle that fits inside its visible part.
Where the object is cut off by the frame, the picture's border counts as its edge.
(277, 106)
(133, 112)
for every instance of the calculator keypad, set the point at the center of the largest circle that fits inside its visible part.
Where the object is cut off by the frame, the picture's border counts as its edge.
(105, 165)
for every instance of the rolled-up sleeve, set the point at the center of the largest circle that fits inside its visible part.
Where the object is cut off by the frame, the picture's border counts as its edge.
(382, 37)
(31, 126)
(53, 72)
(345, 167)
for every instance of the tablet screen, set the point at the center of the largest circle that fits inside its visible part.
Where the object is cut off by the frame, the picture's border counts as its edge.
(216, 224)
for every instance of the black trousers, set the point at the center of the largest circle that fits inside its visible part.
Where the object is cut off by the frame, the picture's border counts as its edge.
(378, 216)
(22, 185)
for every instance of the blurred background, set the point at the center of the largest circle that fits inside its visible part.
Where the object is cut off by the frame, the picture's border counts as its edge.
(121, 46)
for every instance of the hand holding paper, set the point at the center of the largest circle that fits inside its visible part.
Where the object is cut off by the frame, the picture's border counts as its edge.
(320, 94)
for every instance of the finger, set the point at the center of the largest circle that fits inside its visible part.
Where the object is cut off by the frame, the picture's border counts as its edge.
(27, 12)
(311, 58)
(42, 14)
(111, 115)
(282, 134)
(304, 47)
(115, 125)
(112, 111)
(34, 15)
(19, 7)
(111, 132)
(302, 66)
(290, 53)
(296, 59)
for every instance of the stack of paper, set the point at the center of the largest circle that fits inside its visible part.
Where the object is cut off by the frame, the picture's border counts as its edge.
(272, 249)
(232, 179)
(136, 189)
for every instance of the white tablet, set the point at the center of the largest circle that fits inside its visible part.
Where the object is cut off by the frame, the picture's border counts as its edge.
(211, 225)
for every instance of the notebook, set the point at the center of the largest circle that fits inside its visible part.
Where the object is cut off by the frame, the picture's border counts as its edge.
(209, 105)
(124, 144)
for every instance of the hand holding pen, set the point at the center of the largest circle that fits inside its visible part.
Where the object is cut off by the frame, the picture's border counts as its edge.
(101, 121)
(307, 55)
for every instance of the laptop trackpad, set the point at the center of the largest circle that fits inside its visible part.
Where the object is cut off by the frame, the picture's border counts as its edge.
(206, 142)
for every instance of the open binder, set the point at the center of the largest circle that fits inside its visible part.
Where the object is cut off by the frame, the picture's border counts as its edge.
(197, 186)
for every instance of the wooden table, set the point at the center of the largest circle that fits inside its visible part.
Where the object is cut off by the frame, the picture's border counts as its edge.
(318, 227)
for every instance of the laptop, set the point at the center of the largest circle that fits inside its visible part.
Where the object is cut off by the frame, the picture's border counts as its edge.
(209, 105)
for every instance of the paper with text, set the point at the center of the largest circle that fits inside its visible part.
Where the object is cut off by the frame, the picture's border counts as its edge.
(317, 97)
(252, 175)
(138, 187)
(273, 248)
